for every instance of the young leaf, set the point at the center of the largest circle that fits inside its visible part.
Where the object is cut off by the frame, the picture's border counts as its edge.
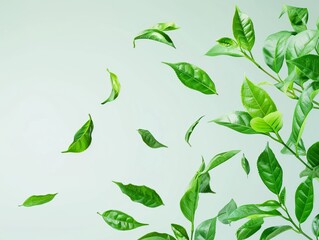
(272, 232)
(298, 17)
(256, 100)
(149, 139)
(120, 221)
(225, 212)
(38, 200)
(313, 173)
(238, 121)
(167, 26)
(193, 77)
(313, 155)
(315, 226)
(82, 138)
(243, 30)
(225, 46)
(270, 123)
(308, 65)
(116, 87)
(179, 232)
(206, 230)
(191, 129)
(155, 35)
(141, 194)
(304, 200)
(269, 170)
(249, 228)
(157, 236)
(219, 159)
(302, 110)
(251, 211)
(245, 164)
(275, 48)
(269, 205)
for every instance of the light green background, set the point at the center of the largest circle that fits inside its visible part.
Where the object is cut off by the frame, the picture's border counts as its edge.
(53, 56)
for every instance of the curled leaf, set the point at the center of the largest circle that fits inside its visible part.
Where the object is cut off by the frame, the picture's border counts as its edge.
(116, 87)
(245, 164)
(155, 35)
(191, 129)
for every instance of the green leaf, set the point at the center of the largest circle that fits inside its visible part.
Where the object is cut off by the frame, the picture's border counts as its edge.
(116, 87)
(225, 212)
(189, 201)
(304, 200)
(157, 236)
(313, 173)
(315, 226)
(282, 196)
(219, 159)
(243, 30)
(141, 194)
(120, 221)
(238, 121)
(302, 110)
(256, 100)
(155, 35)
(205, 184)
(245, 164)
(249, 228)
(313, 155)
(149, 139)
(275, 48)
(206, 230)
(301, 44)
(270, 123)
(167, 26)
(37, 200)
(193, 77)
(308, 65)
(179, 232)
(272, 232)
(191, 129)
(298, 17)
(82, 138)
(269, 170)
(251, 211)
(225, 46)
(269, 205)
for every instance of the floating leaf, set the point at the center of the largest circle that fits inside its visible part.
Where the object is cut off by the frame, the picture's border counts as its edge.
(82, 138)
(271, 123)
(249, 228)
(313, 155)
(304, 200)
(141, 194)
(272, 232)
(219, 159)
(116, 87)
(256, 100)
(206, 230)
(245, 164)
(225, 212)
(308, 65)
(120, 221)
(275, 48)
(157, 236)
(167, 26)
(191, 129)
(38, 200)
(238, 121)
(225, 46)
(269, 170)
(179, 232)
(155, 35)
(298, 17)
(243, 30)
(149, 139)
(193, 77)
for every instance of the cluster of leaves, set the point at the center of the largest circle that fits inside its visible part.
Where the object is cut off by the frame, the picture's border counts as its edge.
(299, 49)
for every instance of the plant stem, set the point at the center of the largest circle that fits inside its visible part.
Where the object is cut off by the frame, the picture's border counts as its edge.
(192, 231)
(279, 140)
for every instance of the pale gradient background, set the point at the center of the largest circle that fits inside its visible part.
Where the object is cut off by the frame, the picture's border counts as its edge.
(53, 56)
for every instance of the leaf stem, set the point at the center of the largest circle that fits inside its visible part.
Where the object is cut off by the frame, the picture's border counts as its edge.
(192, 231)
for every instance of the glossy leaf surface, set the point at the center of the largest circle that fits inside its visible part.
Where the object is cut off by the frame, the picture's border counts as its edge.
(313, 155)
(141, 194)
(167, 26)
(191, 129)
(206, 230)
(116, 87)
(155, 35)
(308, 65)
(315, 226)
(38, 200)
(225, 212)
(82, 138)
(193, 77)
(157, 236)
(220, 158)
(225, 46)
(271, 123)
(298, 17)
(249, 228)
(179, 232)
(245, 164)
(149, 139)
(304, 200)
(271, 232)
